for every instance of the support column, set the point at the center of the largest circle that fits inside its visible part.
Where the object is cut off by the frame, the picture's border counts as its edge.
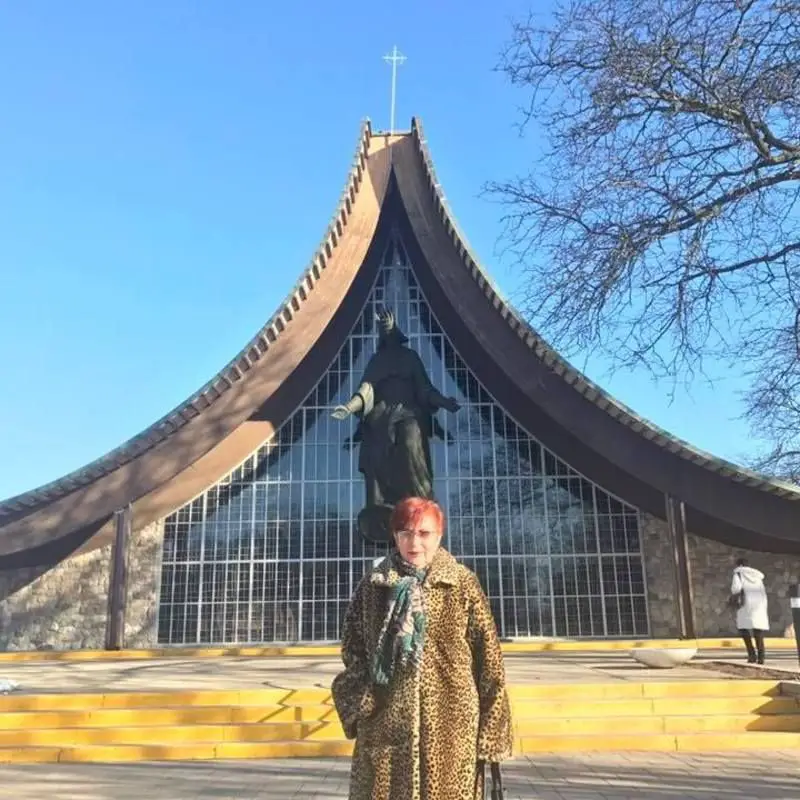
(118, 581)
(794, 604)
(684, 598)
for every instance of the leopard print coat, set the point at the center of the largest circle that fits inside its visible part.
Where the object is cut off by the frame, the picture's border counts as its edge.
(421, 737)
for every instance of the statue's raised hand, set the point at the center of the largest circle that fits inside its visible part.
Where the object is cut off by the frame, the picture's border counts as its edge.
(451, 404)
(385, 318)
(341, 412)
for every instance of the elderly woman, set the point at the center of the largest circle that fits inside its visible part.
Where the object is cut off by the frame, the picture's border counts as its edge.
(423, 691)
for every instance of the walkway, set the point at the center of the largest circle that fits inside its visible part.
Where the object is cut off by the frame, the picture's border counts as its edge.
(614, 776)
(172, 674)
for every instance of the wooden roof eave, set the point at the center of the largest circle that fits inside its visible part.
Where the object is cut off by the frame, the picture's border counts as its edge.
(718, 489)
(151, 460)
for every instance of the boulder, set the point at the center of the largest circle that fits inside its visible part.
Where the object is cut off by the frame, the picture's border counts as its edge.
(663, 657)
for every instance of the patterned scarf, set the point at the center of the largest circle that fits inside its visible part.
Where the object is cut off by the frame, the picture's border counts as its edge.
(402, 635)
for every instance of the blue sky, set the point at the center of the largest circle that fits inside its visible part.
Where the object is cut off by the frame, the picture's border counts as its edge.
(168, 168)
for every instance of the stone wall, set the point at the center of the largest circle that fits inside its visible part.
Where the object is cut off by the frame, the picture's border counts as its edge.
(660, 577)
(711, 564)
(66, 608)
(144, 576)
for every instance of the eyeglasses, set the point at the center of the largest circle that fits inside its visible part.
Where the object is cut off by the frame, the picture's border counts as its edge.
(423, 535)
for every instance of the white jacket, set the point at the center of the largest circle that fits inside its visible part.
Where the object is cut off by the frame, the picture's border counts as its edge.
(753, 615)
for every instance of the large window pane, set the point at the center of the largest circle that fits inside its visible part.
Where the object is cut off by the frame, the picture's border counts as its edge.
(271, 554)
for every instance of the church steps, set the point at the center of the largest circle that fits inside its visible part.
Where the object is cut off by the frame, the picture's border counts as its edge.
(176, 752)
(330, 731)
(663, 706)
(309, 714)
(186, 715)
(303, 696)
(700, 742)
(708, 742)
(165, 699)
(257, 697)
(172, 734)
(274, 723)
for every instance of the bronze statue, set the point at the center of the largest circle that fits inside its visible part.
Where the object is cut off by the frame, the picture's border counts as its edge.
(395, 402)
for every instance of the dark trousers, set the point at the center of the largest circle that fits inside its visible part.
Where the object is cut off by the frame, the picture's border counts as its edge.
(756, 654)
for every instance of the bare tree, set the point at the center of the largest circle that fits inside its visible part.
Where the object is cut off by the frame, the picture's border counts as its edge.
(660, 227)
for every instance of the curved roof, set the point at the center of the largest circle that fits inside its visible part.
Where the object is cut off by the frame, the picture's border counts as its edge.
(218, 426)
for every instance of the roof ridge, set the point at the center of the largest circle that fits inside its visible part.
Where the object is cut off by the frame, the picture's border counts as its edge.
(584, 385)
(226, 377)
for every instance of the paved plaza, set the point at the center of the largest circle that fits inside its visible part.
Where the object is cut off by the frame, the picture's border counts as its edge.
(766, 775)
(771, 775)
(176, 673)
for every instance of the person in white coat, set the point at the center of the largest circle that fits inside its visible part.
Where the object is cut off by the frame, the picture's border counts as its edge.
(752, 615)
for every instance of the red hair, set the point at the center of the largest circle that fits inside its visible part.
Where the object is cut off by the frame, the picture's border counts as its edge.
(407, 513)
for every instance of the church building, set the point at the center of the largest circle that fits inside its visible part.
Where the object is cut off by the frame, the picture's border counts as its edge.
(233, 520)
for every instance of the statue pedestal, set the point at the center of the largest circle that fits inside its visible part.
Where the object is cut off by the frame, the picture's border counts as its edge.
(374, 524)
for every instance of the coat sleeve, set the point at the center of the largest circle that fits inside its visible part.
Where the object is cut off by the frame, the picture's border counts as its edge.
(495, 732)
(736, 583)
(351, 688)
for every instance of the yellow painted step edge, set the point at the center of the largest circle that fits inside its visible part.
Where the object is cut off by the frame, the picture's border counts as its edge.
(133, 735)
(696, 742)
(14, 717)
(242, 715)
(151, 717)
(332, 749)
(165, 699)
(541, 728)
(175, 752)
(317, 651)
(304, 696)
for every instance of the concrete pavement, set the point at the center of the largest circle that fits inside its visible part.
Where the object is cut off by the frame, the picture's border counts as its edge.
(295, 672)
(614, 776)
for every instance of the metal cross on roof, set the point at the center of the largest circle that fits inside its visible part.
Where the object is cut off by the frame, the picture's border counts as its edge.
(394, 58)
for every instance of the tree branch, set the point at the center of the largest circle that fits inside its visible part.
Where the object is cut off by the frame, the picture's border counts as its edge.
(661, 227)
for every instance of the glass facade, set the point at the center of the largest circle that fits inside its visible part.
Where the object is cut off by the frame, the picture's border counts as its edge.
(271, 554)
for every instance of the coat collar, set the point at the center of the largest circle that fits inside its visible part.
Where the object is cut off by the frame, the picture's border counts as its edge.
(443, 570)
